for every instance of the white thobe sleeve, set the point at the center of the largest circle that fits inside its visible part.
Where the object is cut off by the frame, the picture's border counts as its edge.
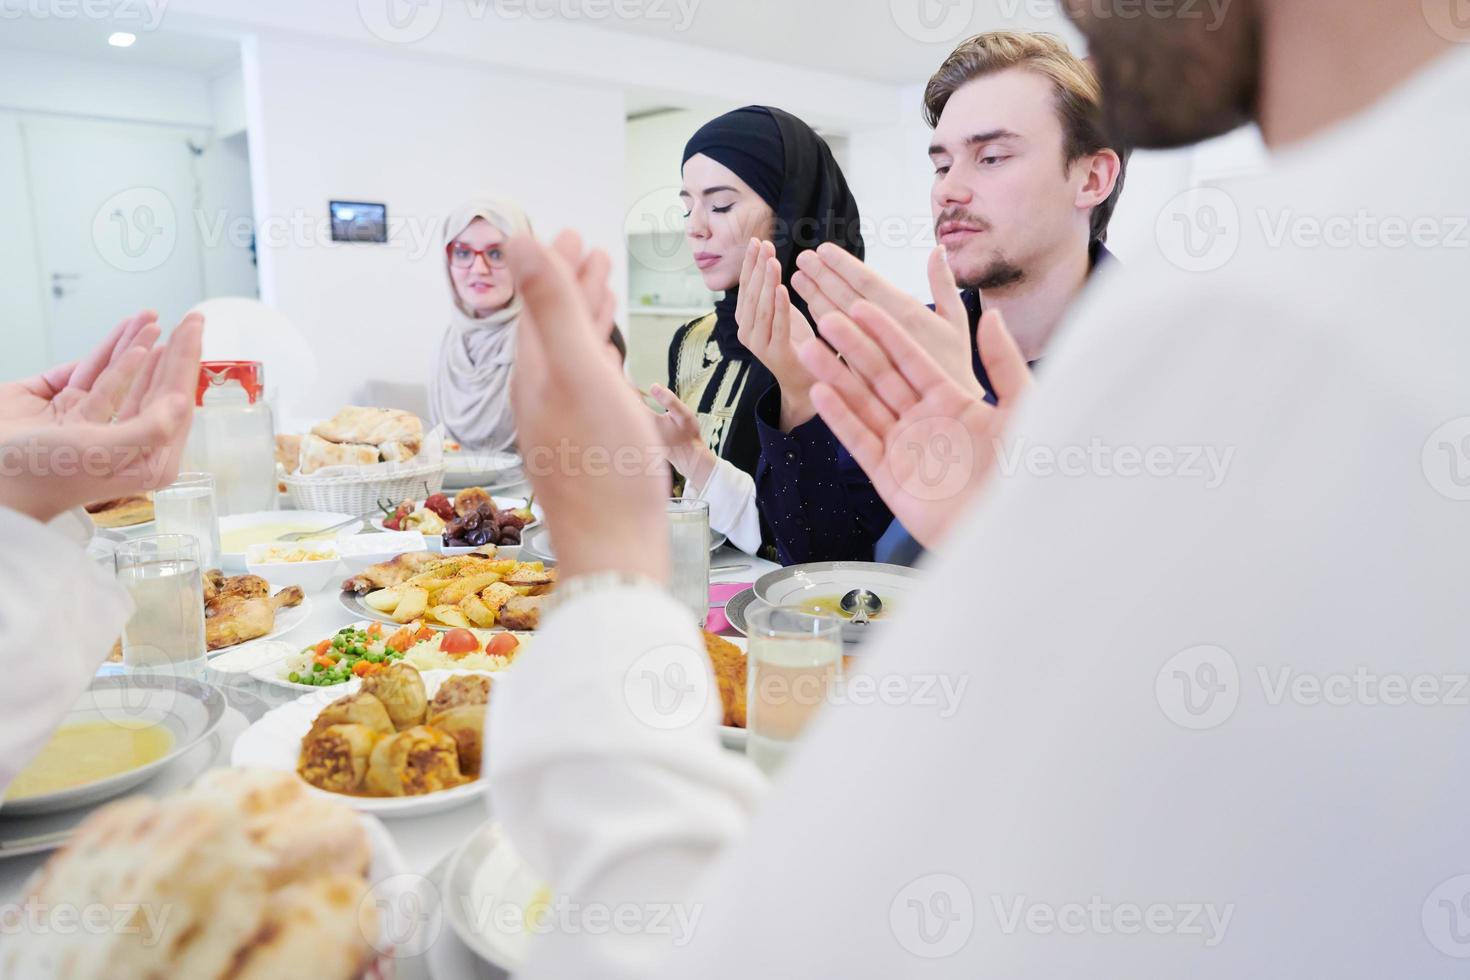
(732, 506)
(60, 614)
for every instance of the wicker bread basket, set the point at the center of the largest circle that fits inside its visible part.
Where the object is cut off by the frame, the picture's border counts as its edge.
(359, 495)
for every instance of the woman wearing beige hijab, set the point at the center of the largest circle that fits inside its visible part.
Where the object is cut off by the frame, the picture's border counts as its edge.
(469, 393)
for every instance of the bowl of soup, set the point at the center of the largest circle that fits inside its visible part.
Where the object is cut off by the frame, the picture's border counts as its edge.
(818, 588)
(239, 532)
(121, 731)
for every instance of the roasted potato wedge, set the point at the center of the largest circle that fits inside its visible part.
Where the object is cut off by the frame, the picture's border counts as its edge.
(497, 596)
(479, 613)
(414, 603)
(526, 575)
(449, 616)
(469, 585)
(384, 600)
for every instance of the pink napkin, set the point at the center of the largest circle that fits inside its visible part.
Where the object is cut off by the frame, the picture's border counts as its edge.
(719, 594)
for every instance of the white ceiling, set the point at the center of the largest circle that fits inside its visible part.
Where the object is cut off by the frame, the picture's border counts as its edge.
(82, 37)
(898, 41)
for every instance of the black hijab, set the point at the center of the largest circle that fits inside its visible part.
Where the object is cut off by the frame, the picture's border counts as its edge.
(793, 170)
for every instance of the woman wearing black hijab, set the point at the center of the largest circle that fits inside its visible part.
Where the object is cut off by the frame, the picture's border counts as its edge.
(756, 172)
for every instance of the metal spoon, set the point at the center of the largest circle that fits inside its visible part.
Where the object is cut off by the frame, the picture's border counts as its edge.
(861, 605)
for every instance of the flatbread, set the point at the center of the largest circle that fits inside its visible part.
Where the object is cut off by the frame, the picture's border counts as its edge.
(123, 512)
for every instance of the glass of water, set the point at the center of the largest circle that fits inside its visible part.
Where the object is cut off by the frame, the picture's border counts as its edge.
(187, 506)
(166, 634)
(689, 539)
(795, 659)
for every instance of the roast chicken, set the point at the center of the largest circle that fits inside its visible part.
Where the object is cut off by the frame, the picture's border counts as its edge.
(241, 608)
(387, 574)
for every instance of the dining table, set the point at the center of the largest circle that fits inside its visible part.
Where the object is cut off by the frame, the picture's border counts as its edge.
(425, 842)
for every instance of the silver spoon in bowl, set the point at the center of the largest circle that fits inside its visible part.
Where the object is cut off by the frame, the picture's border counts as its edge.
(861, 605)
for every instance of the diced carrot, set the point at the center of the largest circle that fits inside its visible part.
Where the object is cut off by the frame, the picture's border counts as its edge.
(325, 660)
(424, 633)
(401, 640)
(375, 630)
(323, 647)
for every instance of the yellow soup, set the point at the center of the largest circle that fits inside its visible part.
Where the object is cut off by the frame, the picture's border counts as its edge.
(235, 542)
(89, 751)
(831, 605)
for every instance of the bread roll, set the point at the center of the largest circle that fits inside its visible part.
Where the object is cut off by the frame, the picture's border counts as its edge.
(318, 928)
(187, 866)
(317, 454)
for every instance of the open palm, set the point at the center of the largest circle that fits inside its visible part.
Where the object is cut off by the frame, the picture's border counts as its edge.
(834, 281)
(91, 390)
(927, 442)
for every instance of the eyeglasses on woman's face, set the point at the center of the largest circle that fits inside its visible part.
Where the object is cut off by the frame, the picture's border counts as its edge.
(462, 256)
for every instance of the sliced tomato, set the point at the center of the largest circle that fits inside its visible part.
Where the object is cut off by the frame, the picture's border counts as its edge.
(459, 642)
(502, 645)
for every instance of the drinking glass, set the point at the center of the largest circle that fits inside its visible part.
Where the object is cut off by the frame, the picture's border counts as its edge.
(689, 540)
(187, 506)
(794, 660)
(166, 634)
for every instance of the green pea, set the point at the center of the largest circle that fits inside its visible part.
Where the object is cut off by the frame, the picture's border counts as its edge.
(294, 677)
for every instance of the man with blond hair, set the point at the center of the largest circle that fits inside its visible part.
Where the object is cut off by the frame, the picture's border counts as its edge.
(1025, 183)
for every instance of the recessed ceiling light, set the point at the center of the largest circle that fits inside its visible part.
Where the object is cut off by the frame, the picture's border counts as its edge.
(122, 39)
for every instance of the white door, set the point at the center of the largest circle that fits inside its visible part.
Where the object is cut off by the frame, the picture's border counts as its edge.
(114, 210)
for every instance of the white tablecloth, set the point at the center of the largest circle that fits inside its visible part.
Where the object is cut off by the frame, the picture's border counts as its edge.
(425, 842)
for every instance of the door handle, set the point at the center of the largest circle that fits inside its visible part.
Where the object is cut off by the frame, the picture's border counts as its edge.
(57, 278)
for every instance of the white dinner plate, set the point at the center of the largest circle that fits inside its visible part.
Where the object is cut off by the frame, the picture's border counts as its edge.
(286, 621)
(795, 584)
(738, 607)
(274, 742)
(463, 470)
(307, 520)
(266, 662)
(488, 889)
(45, 832)
(536, 539)
(189, 709)
(354, 604)
(503, 503)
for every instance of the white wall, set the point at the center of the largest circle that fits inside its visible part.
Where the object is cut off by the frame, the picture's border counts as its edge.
(330, 121)
(42, 85)
(36, 82)
(225, 216)
(227, 102)
(22, 302)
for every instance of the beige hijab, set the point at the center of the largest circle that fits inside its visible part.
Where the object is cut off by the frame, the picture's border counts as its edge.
(469, 393)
